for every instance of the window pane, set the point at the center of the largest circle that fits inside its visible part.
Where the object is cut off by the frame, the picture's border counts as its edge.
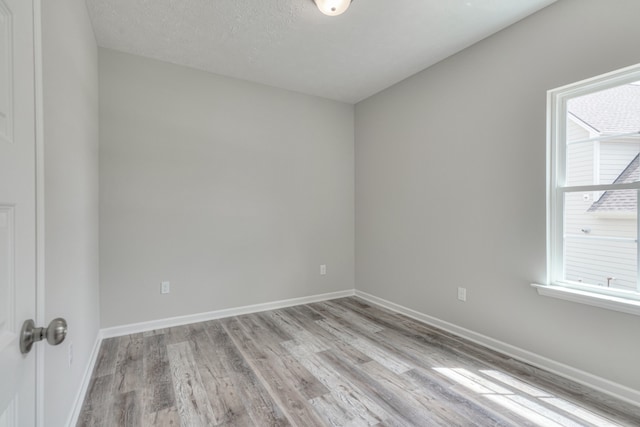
(609, 114)
(600, 232)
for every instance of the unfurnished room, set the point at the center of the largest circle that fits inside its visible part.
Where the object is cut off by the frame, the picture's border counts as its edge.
(319, 213)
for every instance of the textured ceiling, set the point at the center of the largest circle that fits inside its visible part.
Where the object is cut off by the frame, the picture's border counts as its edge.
(291, 45)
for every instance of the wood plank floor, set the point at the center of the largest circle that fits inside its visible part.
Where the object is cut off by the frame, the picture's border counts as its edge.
(336, 363)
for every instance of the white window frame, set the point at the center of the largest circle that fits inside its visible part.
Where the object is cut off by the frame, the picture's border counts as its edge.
(556, 286)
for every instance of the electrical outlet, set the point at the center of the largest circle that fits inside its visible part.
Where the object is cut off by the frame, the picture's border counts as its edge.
(70, 353)
(165, 288)
(462, 294)
(323, 269)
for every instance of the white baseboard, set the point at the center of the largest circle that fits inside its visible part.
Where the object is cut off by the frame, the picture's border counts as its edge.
(619, 391)
(134, 328)
(86, 379)
(603, 385)
(183, 320)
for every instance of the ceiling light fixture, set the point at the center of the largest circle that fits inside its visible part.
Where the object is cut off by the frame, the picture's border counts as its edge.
(332, 7)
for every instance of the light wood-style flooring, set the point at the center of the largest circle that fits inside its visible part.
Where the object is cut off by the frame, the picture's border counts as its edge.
(337, 363)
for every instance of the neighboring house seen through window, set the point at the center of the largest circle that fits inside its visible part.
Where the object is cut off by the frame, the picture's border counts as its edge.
(594, 179)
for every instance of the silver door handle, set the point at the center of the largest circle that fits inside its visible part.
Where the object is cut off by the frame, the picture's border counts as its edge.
(55, 333)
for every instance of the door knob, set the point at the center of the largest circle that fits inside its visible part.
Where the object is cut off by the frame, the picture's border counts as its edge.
(55, 333)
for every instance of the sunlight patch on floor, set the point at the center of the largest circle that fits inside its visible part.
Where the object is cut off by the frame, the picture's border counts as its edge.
(532, 407)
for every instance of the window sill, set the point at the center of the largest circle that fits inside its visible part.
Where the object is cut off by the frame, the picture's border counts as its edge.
(590, 298)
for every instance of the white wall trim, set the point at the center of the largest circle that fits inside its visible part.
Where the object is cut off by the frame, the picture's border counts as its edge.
(117, 331)
(86, 380)
(40, 219)
(609, 302)
(133, 328)
(603, 385)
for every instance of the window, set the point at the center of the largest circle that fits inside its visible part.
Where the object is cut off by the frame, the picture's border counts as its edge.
(594, 178)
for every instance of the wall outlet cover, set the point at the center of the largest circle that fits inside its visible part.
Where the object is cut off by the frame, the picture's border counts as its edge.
(165, 287)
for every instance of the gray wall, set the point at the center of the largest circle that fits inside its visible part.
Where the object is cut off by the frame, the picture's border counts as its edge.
(70, 67)
(232, 191)
(450, 186)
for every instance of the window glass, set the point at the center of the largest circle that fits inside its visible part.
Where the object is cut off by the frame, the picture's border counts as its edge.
(600, 239)
(601, 135)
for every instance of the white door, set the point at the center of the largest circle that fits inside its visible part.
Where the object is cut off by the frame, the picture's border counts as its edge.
(17, 210)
